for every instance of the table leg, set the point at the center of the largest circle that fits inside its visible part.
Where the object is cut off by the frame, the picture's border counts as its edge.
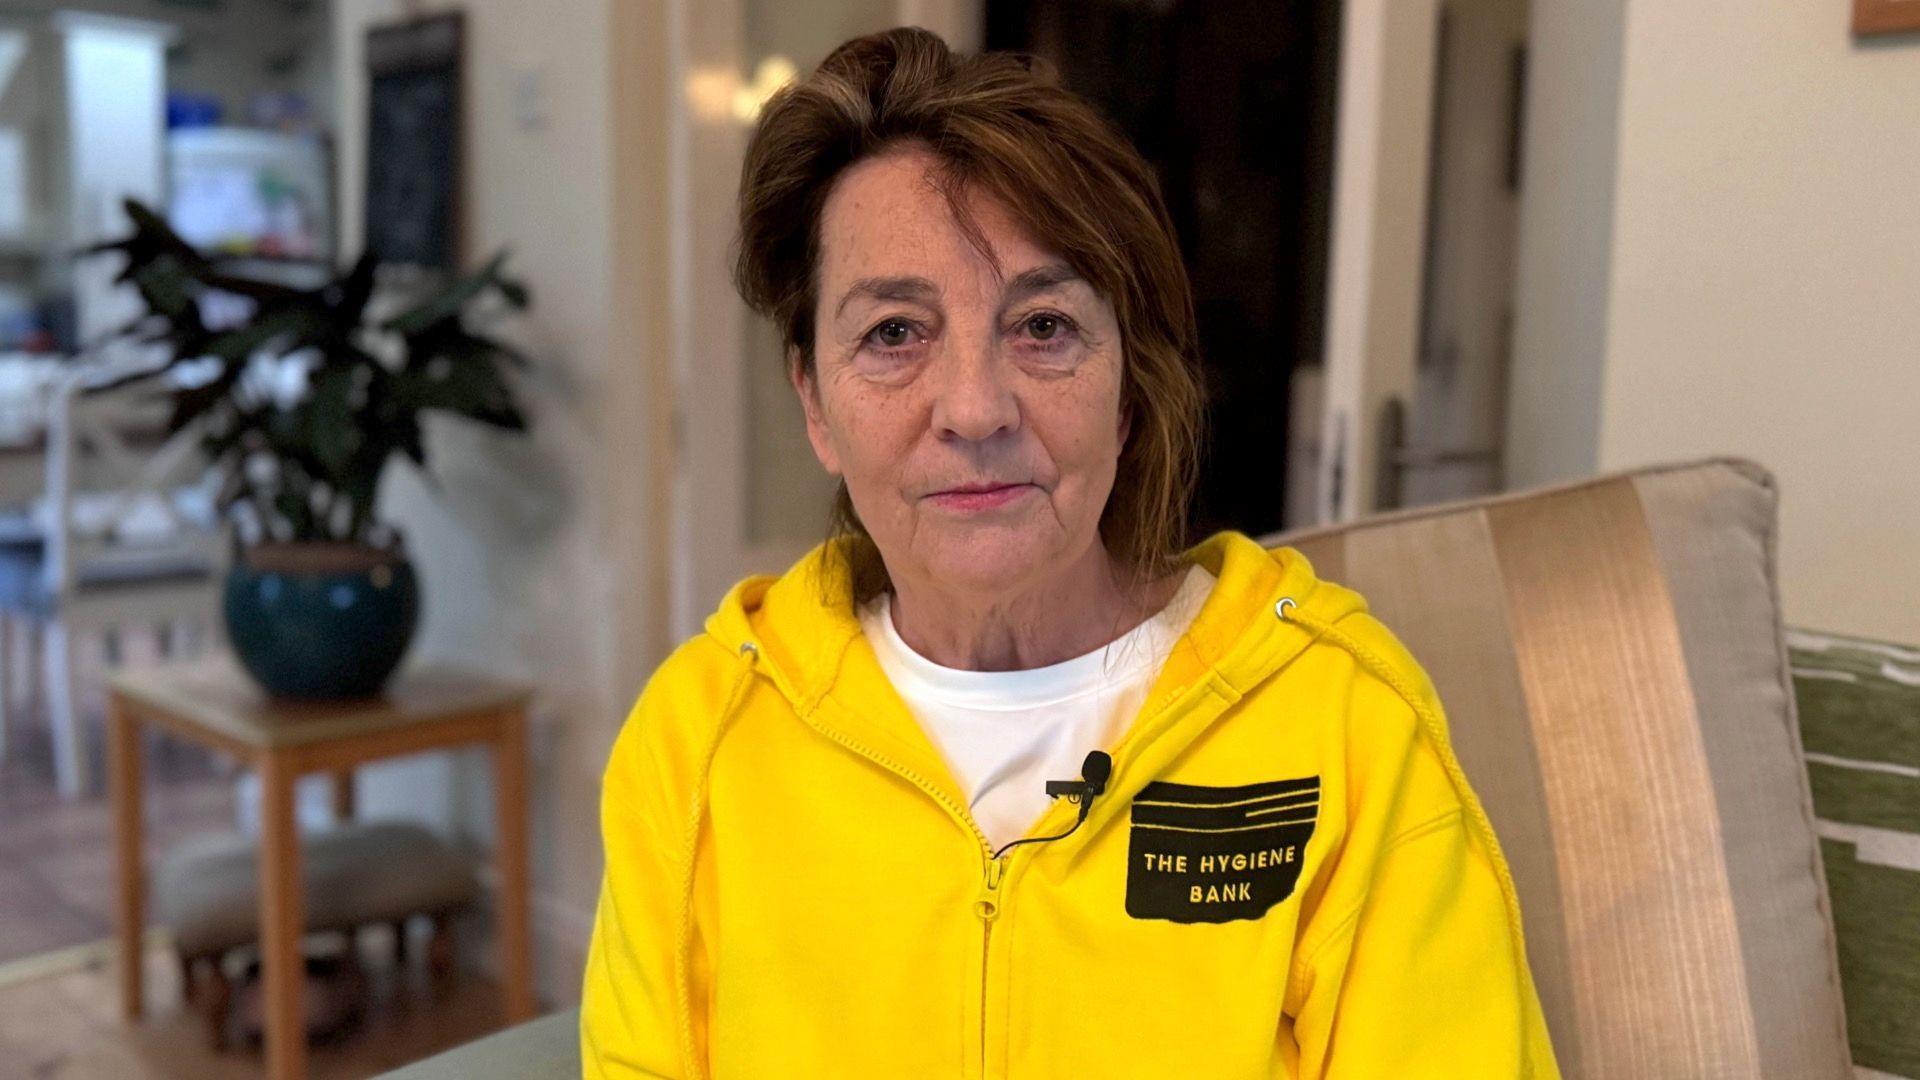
(129, 828)
(344, 796)
(281, 923)
(510, 807)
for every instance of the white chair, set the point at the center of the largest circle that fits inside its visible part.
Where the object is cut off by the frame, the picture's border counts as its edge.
(128, 534)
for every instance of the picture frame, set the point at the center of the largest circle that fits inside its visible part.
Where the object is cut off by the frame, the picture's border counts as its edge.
(414, 118)
(1885, 16)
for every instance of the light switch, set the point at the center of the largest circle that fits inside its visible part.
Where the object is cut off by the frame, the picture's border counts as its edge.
(529, 92)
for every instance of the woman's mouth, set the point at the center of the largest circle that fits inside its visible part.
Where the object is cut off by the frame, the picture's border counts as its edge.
(979, 498)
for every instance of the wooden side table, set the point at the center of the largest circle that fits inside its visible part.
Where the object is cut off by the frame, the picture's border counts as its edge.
(211, 701)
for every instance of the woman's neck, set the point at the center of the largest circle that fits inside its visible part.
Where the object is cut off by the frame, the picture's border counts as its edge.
(1070, 613)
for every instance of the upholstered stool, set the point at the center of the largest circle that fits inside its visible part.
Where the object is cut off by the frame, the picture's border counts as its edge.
(207, 891)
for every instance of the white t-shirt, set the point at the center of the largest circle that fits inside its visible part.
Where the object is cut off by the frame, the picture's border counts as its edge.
(1006, 733)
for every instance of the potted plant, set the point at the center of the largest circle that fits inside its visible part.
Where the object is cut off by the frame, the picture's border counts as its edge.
(305, 396)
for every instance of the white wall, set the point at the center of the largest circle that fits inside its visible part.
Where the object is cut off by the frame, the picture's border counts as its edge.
(1762, 278)
(535, 553)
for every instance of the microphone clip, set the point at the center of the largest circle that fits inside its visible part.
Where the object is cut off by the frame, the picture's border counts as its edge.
(1093, 780)
(1074, 790)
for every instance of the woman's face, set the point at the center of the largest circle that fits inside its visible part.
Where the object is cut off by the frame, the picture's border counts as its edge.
(936, 378)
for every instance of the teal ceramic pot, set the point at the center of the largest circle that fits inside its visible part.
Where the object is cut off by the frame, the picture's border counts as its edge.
(321, 620)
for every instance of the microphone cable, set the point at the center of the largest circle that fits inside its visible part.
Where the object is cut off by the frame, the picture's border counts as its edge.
(1093, 781)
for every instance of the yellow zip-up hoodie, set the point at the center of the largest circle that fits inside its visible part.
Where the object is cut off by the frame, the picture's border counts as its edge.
(1286, 876)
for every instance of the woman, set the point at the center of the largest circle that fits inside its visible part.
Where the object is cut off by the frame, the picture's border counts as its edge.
(1004, 779)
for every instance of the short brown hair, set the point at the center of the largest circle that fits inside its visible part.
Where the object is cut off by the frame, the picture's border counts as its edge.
(1002, 123)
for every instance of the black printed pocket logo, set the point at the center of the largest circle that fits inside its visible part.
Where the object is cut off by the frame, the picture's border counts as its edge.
(1200, 853)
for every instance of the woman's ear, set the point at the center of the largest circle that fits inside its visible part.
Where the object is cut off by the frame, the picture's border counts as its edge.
(807, 388)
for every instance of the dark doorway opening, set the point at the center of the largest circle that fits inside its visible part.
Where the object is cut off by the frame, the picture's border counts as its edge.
(1233, 103)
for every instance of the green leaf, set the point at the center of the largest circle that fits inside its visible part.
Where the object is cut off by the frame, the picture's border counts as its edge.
(509, 353)
(331, 416)
(449, 302)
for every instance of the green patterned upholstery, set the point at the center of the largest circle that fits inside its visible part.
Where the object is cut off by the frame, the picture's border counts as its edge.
(1860, 723)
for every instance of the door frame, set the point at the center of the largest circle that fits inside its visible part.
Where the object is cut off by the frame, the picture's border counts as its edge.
(1382, 151)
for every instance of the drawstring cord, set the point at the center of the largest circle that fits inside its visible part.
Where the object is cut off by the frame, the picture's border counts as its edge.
(683, 944)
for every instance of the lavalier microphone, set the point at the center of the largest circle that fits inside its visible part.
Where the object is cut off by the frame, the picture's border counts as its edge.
(1094, 772)
(1093, 780)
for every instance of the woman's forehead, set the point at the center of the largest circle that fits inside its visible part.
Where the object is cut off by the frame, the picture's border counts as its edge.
(888, 216)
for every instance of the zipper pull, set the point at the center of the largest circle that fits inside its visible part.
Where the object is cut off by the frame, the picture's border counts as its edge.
(987, 904)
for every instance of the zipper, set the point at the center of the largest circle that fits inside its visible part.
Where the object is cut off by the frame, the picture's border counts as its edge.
(987, 906)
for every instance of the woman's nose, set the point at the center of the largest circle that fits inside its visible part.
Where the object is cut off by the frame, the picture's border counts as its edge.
(973, 399)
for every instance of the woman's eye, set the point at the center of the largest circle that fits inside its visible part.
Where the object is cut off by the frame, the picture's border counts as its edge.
(1047, 329)
(1043, 326)
(892, 334)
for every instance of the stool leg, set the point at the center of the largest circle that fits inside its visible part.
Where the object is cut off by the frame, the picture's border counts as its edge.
(219, 998)
(440, 949)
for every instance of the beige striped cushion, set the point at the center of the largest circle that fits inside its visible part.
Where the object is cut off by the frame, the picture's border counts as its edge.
(1610, 659)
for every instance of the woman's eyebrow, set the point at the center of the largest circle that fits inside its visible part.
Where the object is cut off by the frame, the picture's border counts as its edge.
(1037, 280)
(889, 288)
